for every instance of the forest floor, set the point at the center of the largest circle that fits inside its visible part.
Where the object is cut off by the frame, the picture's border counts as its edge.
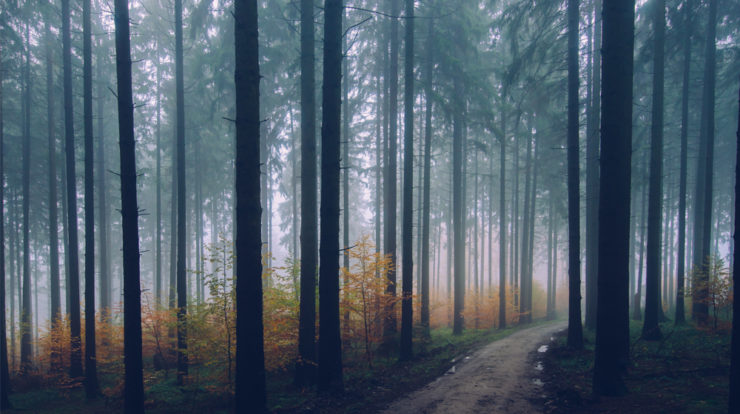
(502, 377)
(367, 389)
(685, 372)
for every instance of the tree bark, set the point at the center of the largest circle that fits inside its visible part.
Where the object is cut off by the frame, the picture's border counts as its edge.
(681, 258)
(330, 343)
(4, 367)
(650, 328)
(425, 300)
(734, 402)
(575, 330)
(55, 294)
(407, 253)
(305, 367)
(612, 314)
(91, 371)
(25, 328)
(250, 357)
(134, 383)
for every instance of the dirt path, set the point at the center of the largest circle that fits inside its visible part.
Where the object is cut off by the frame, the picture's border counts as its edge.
(498, 378)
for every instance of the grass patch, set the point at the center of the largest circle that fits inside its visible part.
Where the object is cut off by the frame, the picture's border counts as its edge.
(686, 372)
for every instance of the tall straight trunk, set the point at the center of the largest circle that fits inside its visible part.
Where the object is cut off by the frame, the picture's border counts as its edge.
(182, 292)
(172, 296)
(26, 336)
(457, 207)
(330, 343)
(637, 301)
(4, 367)
(390, 324)
(158, 213)
(11, 264)
(502, 220)
(612, 313)
(734, 402)
(575, 330)
(91, 371)
(134, 383)
(651, 329)
(516, 223)
(73, 287)
(474, 255)
(379, 148)
(103, 211)
(524, 249)
(704, 198)
(345, 169)
(425, 205)
(250, 357)
(592, 173)
(550, 299)
(53, 215)
(681, 258)
(407, 253)
(305, 367)
(530, 251)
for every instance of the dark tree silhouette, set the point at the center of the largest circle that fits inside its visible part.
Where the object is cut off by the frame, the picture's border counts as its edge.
(407, 253)
(305, 368)
(53, 214)
(182, 287)
(651, 329)
(575, 330)
(330, 341)
(91, 371)
(681, 258)
(4, 368)
(734, 404)
(612, 314)
(427, 180)
(73, 288)
(134, 381)
(25, 327)
(250, 356)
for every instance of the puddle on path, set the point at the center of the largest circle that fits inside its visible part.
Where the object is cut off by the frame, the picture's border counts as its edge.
(539, 366)
(538, 382)
(542, 349)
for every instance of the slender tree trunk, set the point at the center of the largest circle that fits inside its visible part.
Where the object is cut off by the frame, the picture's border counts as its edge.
(250, 357)
(457, 206)
(134, 384)
(524, 249)
(502, 220)
(345, 170)
(330, 344)
(427, 182)
(73, 288)
(681, 259)
(407, 260)
(612, 313)
(592, 174)
(734, 403)
(704, 198)
(53, 215)
(575, 330)
(91, 371)
(158, 242)
(182, 293)
(4, 368)
(651, 329)
(390, 325)
(305, 367)
(637, 301)
(103, 211)
(26, 312)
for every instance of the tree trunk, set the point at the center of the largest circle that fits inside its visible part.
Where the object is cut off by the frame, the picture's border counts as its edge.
(53, 215)
(502, 220)
(91, 371)
(390, 325)
(681, 259)
(734, 403)
(427, 182)
(524, 249)
(305, 367)
(345, 170)
(158, 242)
(330, 344)
(26, 336)
(637, 301)
(134, 383)
(182, 292)
(592, 174)
(704, 198)
(72, 244)
(651, 329)
(407, 253)
(612, 314)
(457, 206)
(4, 368)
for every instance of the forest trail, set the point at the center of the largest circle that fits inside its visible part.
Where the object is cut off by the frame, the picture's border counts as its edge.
(498, 378)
